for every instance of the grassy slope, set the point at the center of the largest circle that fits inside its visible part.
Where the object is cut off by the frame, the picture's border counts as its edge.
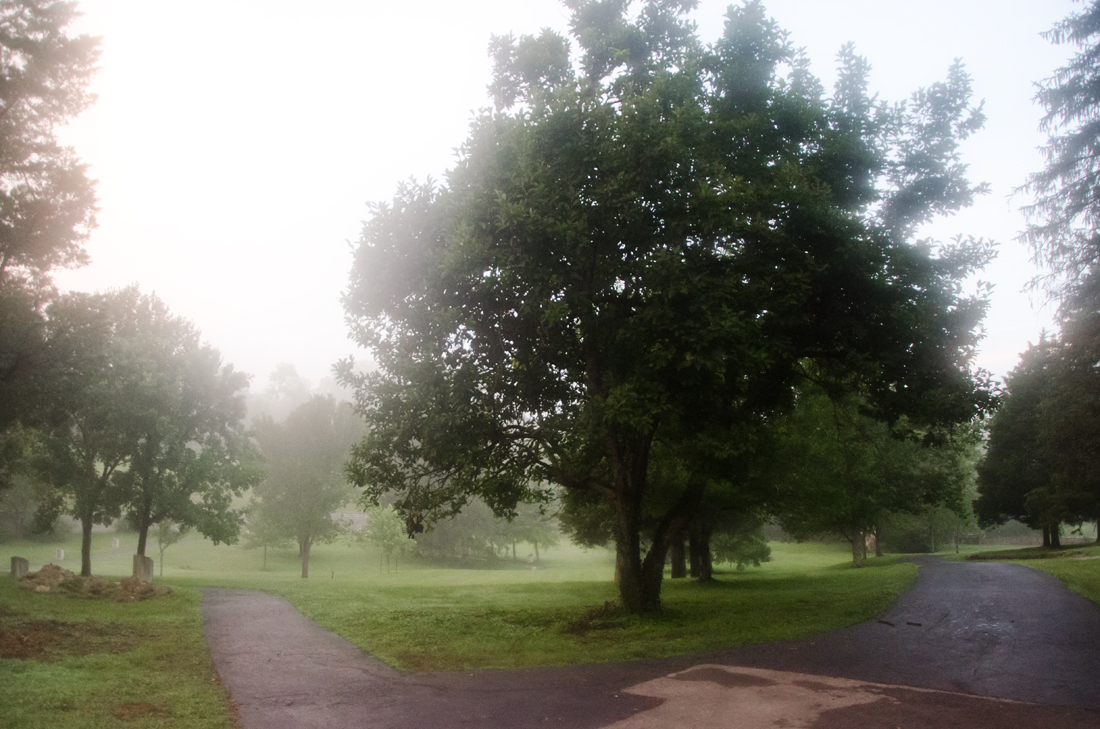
(144, 662)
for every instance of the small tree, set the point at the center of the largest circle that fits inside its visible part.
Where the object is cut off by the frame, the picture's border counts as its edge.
(531, 525)
(305, 471)
(168, 533)
(262, 531)
(386, 530)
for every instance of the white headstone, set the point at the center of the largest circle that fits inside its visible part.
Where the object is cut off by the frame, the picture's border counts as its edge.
(60, 554)
(143, 568)
(19, 567)
(114, 542)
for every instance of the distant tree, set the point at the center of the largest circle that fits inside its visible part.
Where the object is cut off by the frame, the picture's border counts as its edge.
(168, 533)
(638, 247)
(140, 420)
(531, 525)
(286, 390)
(261, 531)
(842, 473)
(386, 530)
(305, 480)
(473, 534)
(742, 542)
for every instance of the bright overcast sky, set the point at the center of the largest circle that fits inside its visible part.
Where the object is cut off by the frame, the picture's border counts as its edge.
(236, 143)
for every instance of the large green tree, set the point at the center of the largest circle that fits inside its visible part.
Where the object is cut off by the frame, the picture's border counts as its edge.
(142, 420)
(190, 454)
(1040, 464)
(88, 434)
(637, 249)
(1056, 386)
(305, 480)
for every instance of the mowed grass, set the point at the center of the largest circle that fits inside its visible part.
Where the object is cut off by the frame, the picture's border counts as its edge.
(423, 617)
(102, 663)
(419, 617)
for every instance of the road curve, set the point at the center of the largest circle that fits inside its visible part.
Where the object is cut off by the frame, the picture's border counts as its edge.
(965, 643)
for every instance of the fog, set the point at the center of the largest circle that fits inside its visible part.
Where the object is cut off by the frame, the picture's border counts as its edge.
(236, 143)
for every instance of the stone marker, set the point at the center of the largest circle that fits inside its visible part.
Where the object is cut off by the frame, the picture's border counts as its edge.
(114, 542)
(143, 568)
(59, 555)
(19, 567)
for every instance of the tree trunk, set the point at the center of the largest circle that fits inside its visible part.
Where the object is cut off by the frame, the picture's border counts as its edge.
(86, 546)
(1055, 535)
(878, 544)
(694, 566)
(678, 557)
(514, 551)
(858, 549)
(1046, 535)
(537, 558)
(699, 548)
(143, 538)
(303, 549)
(628, 561)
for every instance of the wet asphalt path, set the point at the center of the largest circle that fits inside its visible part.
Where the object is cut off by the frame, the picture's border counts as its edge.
(972, 629)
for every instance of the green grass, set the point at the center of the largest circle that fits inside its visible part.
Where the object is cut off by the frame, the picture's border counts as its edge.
(426, 618)
(420, 617)
(143, 663)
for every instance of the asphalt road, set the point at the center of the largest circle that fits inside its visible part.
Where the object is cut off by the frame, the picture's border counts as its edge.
(964, 647)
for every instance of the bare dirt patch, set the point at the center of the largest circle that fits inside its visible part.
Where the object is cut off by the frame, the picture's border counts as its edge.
(47, 640)
(52, 578)
(139, 710)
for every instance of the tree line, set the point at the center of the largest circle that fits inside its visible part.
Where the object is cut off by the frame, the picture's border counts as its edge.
(679, 287)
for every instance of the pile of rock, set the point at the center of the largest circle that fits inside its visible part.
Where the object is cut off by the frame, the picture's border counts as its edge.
(52, 578)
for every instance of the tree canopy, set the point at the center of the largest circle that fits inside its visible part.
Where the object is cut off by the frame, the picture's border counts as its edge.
(1040, 463)
(842, 473)
(190, 454)
(47, 201)
(143, 419)
(638, 248)
(1064, 215)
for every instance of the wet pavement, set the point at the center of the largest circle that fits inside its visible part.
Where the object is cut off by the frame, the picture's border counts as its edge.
(963, 647)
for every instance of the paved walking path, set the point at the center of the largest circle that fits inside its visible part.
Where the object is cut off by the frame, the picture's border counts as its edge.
(959, 649)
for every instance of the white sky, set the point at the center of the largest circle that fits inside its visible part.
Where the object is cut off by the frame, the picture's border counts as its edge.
(236, 143)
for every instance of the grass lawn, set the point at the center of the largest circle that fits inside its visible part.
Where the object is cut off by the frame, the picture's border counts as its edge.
(146, 663)
(95, 663)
